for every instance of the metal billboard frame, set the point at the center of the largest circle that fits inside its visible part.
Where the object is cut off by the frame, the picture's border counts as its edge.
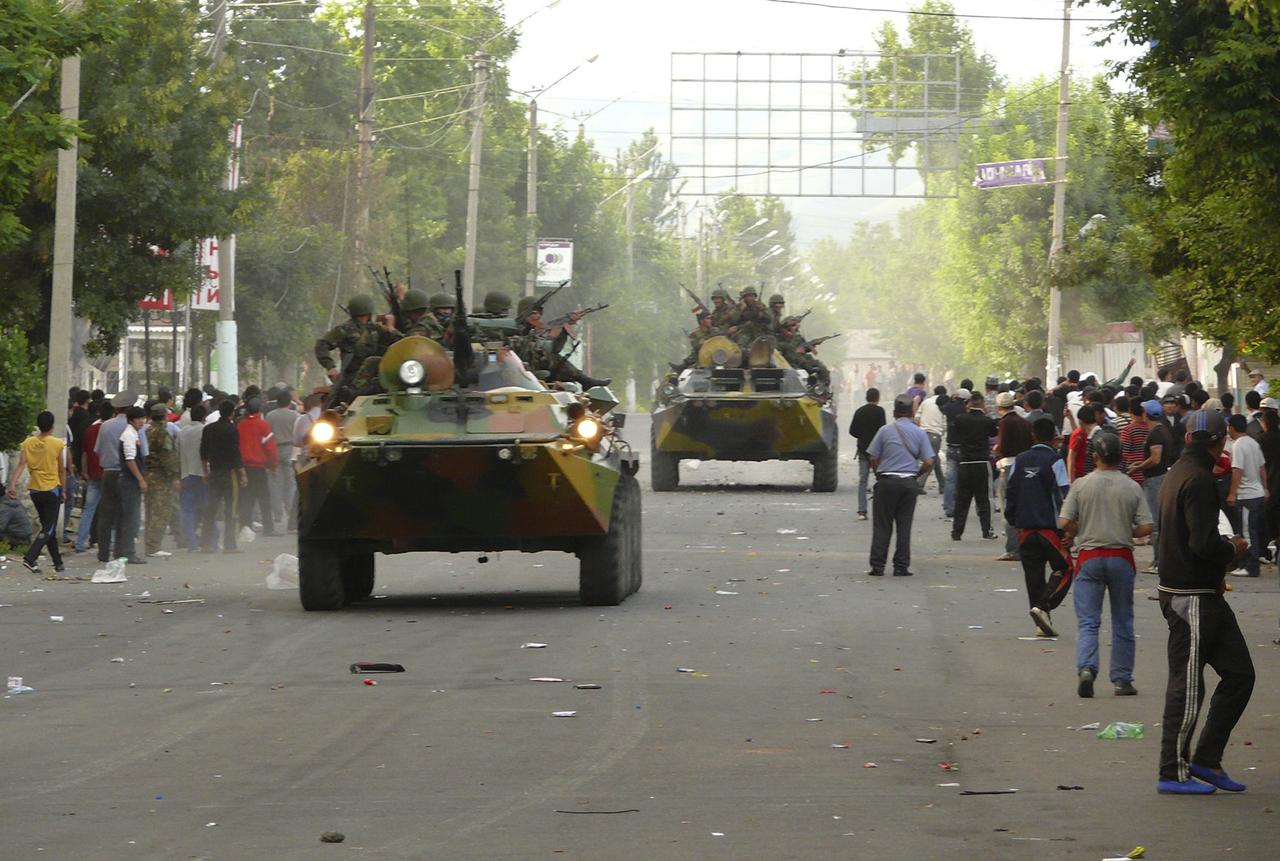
(922, 113)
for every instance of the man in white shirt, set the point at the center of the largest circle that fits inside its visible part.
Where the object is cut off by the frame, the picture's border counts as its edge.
(934, 424)
(1248, 487)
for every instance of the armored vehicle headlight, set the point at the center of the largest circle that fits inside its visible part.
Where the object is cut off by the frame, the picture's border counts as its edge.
(588, 429)
(322, 433)
(412, 372)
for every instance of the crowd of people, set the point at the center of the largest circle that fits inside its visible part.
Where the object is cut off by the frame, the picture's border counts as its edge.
(1083, 472)
(193, 474)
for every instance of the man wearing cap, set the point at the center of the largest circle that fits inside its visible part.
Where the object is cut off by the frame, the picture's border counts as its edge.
(1175, 405)
(1102, 515)
(1202, 627)
(899, 454)
(1258, 381)
(1013, 437)
(973, 430)
(162, 479)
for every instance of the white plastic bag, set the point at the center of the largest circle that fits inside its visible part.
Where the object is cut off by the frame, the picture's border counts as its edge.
(284, 572)
(112, 573)
(247, 535)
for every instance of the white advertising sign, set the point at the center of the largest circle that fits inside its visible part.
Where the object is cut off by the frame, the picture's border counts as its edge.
(555, 260)
(206, 298)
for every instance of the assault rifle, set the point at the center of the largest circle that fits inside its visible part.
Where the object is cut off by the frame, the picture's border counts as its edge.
(811, 346)
(565, 319)
(522, 319)
(388, 289)
(698, 303)
(463, 356)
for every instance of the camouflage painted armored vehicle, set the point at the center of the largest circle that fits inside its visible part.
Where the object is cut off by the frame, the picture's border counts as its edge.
(725, 408)
(467, 451)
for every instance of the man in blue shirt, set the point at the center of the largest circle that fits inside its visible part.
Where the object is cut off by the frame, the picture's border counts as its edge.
(1037, 485)
(900, 453)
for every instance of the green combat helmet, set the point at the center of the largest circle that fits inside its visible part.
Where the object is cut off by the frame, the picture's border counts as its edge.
(415, 300)
(748, 291)
(776, 299)
(720, 293)
(443, 300)
(360, 305)
(497, 303)
(525, 303)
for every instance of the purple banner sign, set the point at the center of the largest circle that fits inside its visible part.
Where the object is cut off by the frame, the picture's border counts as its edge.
(1027, 171)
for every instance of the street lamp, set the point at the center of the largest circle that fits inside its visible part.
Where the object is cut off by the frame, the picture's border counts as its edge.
(759, 223)
(531, 193)
(769, 235)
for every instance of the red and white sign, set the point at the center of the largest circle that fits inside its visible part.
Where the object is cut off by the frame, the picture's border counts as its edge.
(164, 302)
(207, 297)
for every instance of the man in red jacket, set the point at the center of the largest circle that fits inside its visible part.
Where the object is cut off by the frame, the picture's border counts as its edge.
(258, 453)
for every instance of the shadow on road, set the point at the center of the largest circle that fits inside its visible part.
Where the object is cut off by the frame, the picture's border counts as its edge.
(419, 603)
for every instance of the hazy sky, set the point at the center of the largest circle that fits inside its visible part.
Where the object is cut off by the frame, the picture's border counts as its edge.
(635, 40)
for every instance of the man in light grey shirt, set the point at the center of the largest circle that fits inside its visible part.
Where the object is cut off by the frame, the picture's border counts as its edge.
(280, 481)
(192, 492)
(934, 424)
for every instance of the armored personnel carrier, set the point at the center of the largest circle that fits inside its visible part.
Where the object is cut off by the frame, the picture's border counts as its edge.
(467, 451)
(725, 408)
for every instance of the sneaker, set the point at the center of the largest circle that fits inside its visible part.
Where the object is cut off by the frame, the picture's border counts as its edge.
(1044, 622)
(875, 573)
(1218, 778)
(160, 554)
(904, 573)
(990, 536)
(58, 569)
(1085, 688)
(136, 560)
(862, 515)
(31, 566)
(1008, 557)
(955, 537)
(1126, 689)
(1184, 787)
(1151, 569)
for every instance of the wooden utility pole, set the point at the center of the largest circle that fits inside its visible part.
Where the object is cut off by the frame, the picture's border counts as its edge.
(64, 246)
(473, 179)
(1053, 361)
(364, 168)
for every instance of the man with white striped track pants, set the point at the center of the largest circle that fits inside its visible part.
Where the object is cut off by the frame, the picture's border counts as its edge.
(1202, 627)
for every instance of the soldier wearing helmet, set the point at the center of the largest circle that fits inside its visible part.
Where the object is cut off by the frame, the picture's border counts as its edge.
(697, 337)
(777, 309)
(722, 308)
(416, 305)
(540, 348)
(796, 350)
(750, 319)
(497, 323)
(355, 340)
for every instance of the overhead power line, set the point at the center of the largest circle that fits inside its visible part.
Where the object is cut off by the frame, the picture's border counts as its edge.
(932, 13)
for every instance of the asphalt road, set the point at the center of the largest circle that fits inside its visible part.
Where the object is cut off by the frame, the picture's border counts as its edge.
(232, 728)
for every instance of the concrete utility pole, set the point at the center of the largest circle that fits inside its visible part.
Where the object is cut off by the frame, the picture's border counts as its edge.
(473, 180)
(531, 206)
(631, 241)
(701, 264)
(227, 344)
(1053, 363)
(364, 168)
(57, 381)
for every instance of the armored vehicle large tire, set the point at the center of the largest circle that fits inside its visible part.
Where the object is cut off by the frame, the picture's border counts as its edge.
(606, 565)
(826, 471)
(319, 576)
(664, 471)
(357, 577)
(635, 563)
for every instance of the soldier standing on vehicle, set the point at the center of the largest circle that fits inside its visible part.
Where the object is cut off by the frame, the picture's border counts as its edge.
(777, 310)
(697, 338)
(795, 349)
(541, 348)
(722, 309)
(750, 319)
(356, 340)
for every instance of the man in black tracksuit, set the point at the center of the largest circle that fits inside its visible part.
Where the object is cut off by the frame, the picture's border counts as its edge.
(1202, 628)
(974, 430)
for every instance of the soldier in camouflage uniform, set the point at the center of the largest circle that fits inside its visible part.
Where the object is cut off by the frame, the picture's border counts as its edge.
(722, 310)
(496, 322)
(356, 340)
(795, 350)
(750, 319)
(541, 348)
(443, 307)
(777, 310)
(697, 338)
(415, 306)
(162, 478)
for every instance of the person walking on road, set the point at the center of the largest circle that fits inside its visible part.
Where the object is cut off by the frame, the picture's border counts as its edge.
(162, 466)
(133, 484)
(1202, 627)
(867, 421)
(192, 492)
(974, 431)
(1248, 493)
(42, 455)
(1102, 515)
(259, 456)
(934, 424)
(1013, 437)
(900, 453)
(220, 452)
(1033, 498)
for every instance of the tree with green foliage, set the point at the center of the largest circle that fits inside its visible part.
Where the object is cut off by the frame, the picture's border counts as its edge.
(1209, 76)
(22, 394)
